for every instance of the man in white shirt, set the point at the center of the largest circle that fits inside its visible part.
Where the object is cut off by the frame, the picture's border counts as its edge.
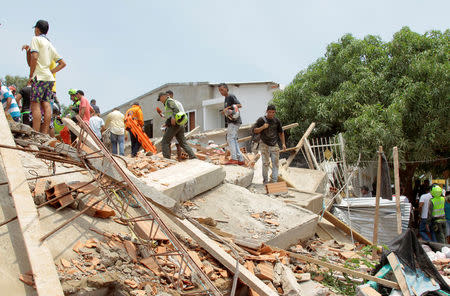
(116, 125)
(40, 54)
(97, 125)
(423, 209)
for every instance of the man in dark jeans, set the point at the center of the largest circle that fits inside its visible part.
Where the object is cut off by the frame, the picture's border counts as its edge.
(176, 119)
(135, 112)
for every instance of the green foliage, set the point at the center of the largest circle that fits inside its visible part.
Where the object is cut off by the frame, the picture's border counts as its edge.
(64, 110)
(376, 93)
(18, 81)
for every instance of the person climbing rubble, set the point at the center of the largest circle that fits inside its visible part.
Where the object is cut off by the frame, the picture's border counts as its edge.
(176, 120)
(270, 129)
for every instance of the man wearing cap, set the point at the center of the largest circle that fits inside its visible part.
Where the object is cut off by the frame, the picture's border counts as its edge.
(135, 112)
(175, 121)
(40, 54)
(174, 140)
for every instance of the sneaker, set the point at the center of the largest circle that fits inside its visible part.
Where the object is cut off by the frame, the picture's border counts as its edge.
(231, 161)
(241, 162)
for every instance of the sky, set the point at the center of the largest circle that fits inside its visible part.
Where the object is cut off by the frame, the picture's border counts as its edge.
(118, 50)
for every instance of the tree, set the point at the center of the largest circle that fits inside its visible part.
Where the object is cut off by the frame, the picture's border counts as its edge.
(18, 81)
(379, 93)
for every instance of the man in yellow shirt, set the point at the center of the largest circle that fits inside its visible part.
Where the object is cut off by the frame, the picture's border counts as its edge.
(39, 56)
(116, 125)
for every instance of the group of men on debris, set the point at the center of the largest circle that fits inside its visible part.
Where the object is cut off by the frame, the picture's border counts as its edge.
(268, 127)
(38, 97)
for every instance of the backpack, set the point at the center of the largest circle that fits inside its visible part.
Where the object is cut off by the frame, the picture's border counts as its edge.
(256, 138)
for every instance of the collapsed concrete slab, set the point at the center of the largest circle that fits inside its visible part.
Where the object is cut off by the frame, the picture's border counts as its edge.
(310, 201)
(186, 179)
(305, 179)
(238, 175)
(255, 217)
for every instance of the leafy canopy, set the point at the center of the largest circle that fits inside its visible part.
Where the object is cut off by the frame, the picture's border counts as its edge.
(377, 93)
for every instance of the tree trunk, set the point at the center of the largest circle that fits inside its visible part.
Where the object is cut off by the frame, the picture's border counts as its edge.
(406, 181)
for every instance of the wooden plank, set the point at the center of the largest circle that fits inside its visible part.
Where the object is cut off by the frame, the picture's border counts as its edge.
(245, 139)
(342, 226)
(377, 203)
(336, 267)
(300, 144)
(369, 291)
(41, 260)
(74, 128)
(397, 190)
(223, 257)
(398, 273)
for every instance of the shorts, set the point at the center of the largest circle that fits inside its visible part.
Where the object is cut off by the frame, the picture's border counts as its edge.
(41, 91)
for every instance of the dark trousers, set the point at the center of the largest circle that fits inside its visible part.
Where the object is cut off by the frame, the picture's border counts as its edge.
(177, 132)
(135, 145)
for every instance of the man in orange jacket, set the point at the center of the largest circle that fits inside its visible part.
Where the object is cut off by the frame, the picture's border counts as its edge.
(135, 112)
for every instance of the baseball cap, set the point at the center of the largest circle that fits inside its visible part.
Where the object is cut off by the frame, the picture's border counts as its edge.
(42, 26)
(160, 95)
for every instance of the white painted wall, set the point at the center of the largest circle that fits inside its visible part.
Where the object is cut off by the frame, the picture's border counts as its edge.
(253, 97)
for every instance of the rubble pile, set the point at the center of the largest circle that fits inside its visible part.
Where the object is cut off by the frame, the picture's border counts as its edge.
(273, 233)
(142, 165)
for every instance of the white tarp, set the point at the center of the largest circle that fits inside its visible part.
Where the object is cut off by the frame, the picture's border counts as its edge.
(362, 214)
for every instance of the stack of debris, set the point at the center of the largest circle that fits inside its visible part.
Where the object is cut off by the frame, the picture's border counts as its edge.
(184, 232)
(142, 165)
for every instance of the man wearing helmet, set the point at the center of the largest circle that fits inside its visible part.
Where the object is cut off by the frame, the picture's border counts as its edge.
(436, 214)
(176, 119)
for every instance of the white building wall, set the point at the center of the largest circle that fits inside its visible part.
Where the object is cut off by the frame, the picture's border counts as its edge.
(253, 97)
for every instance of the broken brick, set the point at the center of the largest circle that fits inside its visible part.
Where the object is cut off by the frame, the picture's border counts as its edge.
(278, 187)
(131, 250)
(143, 228)
(27, 279)
(265, 271)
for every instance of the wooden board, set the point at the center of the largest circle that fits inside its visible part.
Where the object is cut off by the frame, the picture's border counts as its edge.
(245, 139)
(342, 226)
(398, 273)
(223, 257)
(397, 191)
(300, 144)
(41, 260)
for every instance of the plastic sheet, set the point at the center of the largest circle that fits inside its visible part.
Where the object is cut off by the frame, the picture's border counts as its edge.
(362, 214)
